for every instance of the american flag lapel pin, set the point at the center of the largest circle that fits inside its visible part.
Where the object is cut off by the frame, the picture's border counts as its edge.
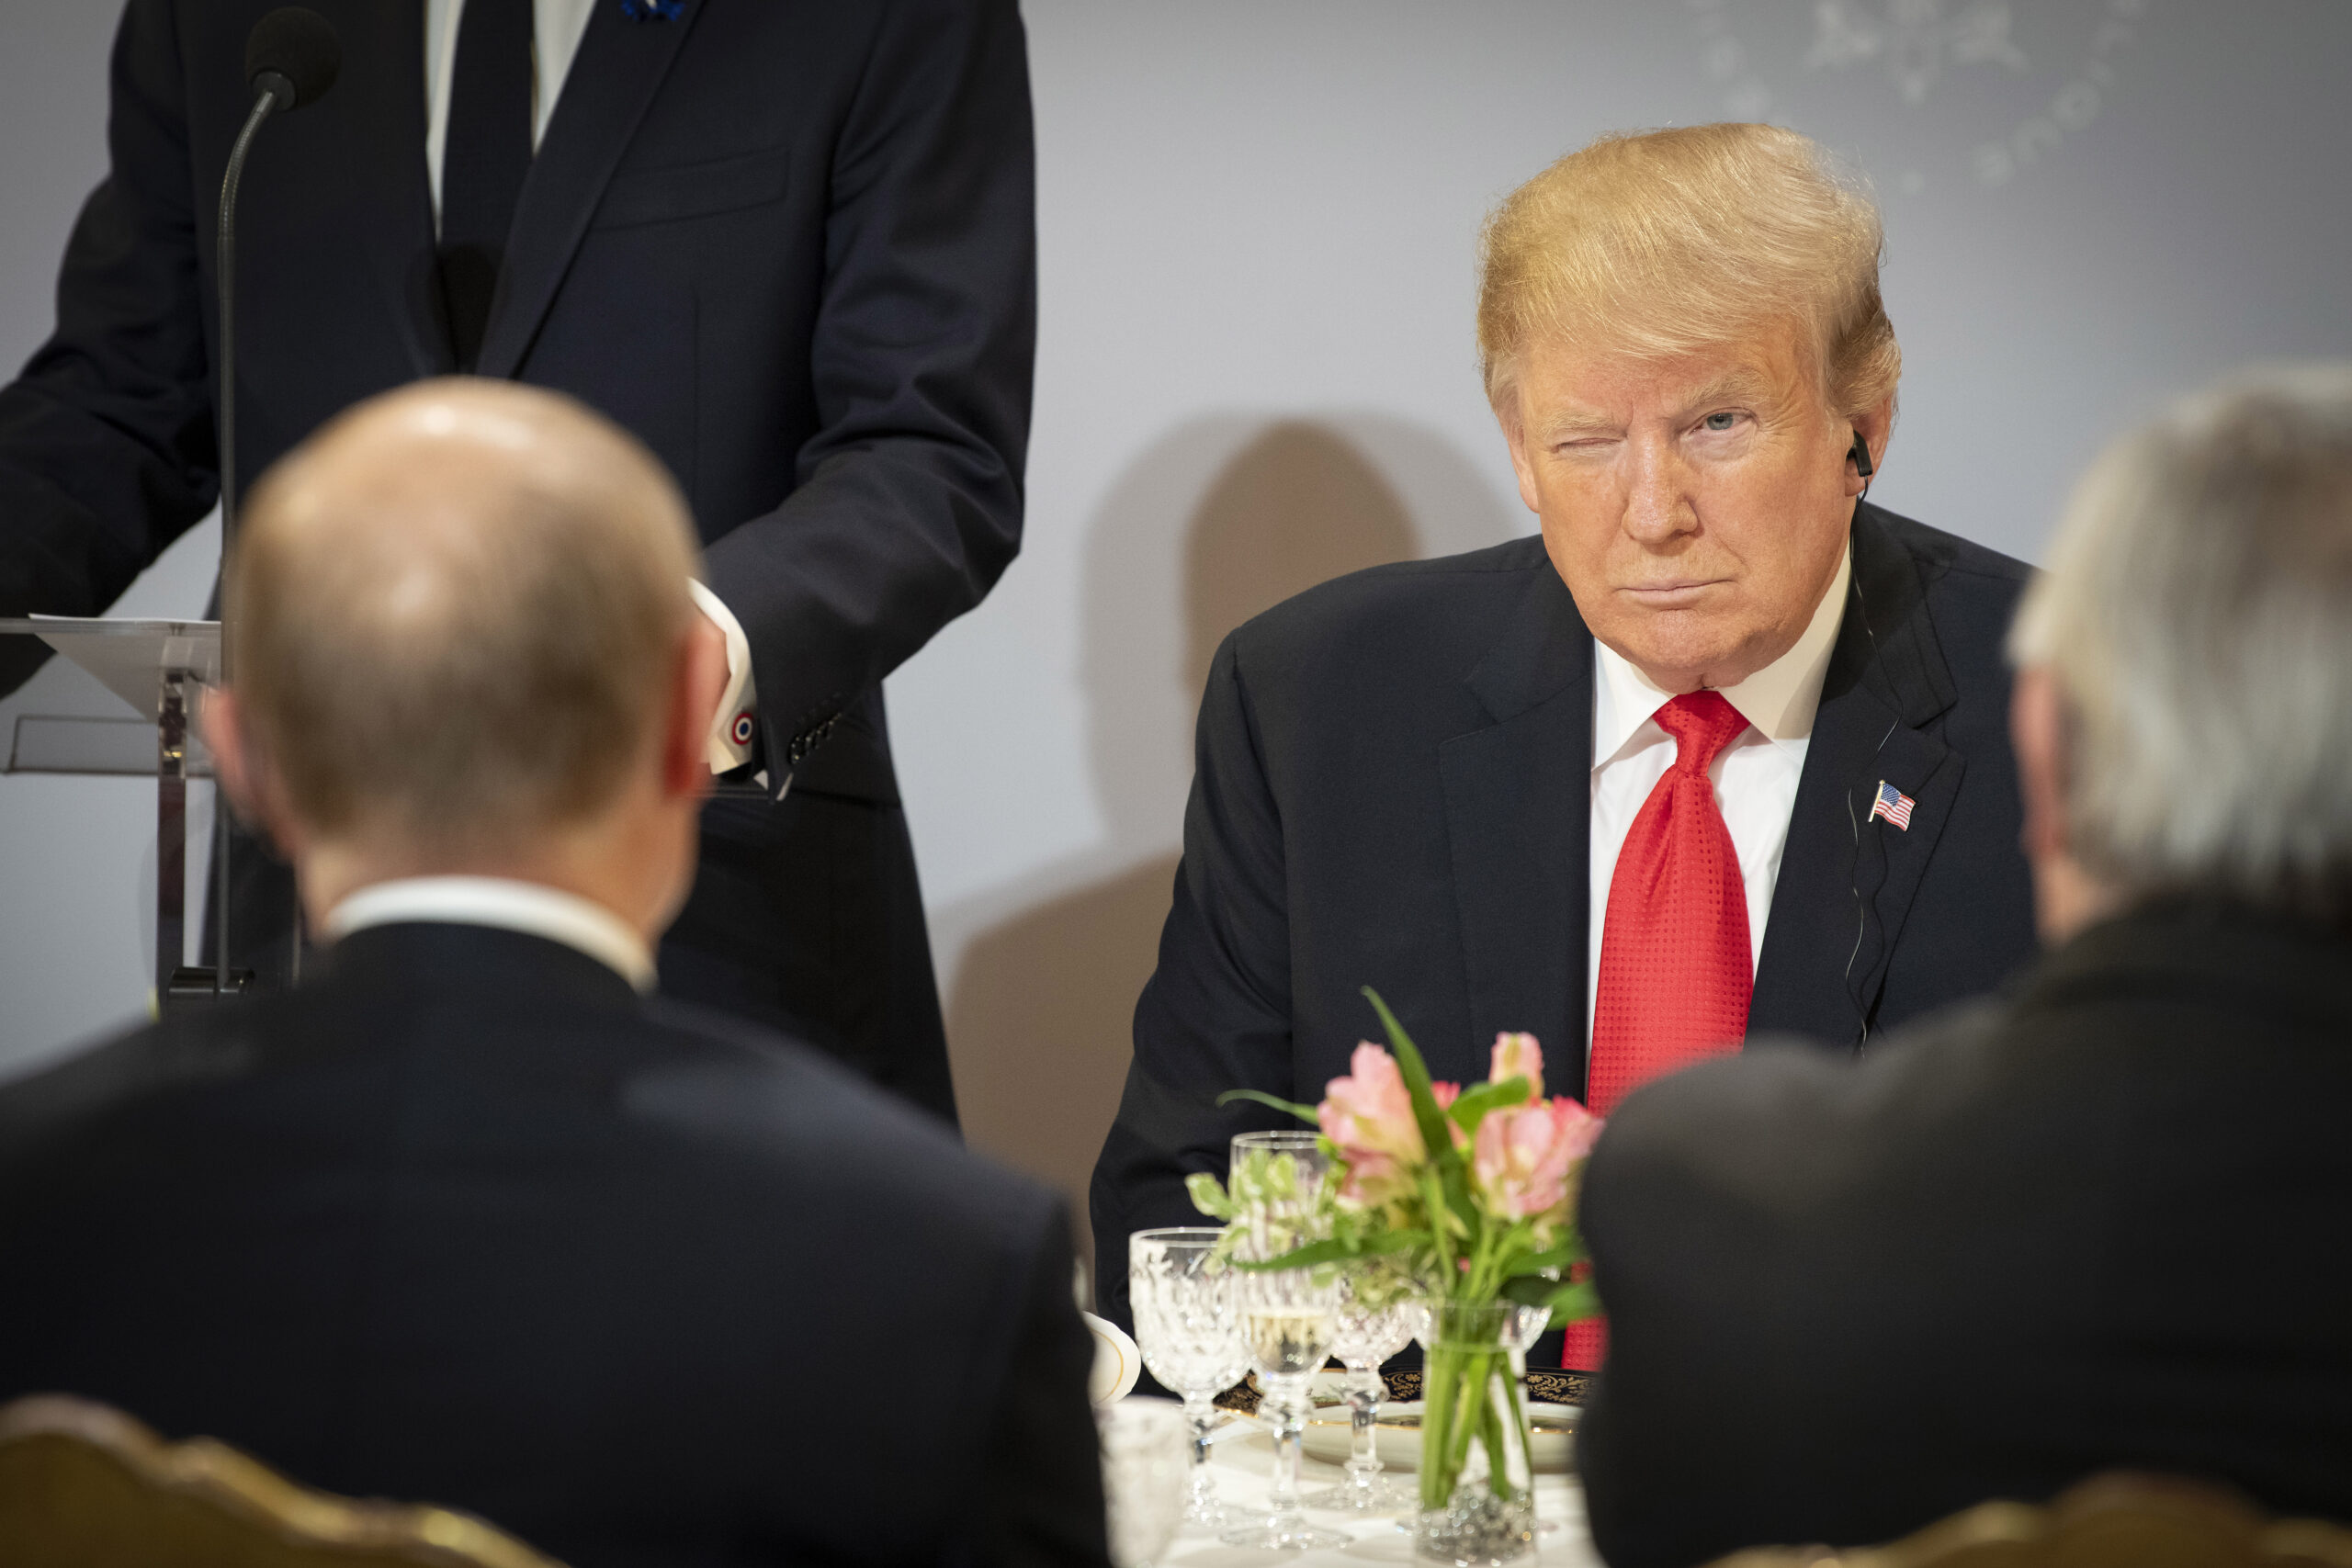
(1892, 804)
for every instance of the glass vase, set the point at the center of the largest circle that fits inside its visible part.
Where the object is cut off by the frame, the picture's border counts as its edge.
(1477, 1492)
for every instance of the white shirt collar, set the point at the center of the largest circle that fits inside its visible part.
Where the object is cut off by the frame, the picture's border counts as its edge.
(530, 907)
(1779, 700)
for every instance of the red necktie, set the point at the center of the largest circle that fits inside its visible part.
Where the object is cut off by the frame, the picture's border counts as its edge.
(1676, 973)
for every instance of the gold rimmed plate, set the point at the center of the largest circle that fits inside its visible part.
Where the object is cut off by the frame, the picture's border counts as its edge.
(1397, 1435)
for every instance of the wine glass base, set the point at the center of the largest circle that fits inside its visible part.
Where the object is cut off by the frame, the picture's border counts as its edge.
(1381, 1494)
(1284, 1535)
(1211, 1517)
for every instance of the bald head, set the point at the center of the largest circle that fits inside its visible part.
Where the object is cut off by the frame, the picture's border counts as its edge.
(455, 615)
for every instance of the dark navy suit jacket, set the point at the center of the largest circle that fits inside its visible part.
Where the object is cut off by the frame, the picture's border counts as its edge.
(463, 1221)
(1393, 789)
(2102, 1221)
(790, 243)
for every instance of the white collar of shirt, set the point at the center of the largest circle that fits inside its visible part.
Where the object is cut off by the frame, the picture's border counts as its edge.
(1779, 700)
(530, 907)
(557, 27)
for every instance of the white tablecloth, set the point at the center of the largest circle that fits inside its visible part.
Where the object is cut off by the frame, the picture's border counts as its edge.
(1241, 1463)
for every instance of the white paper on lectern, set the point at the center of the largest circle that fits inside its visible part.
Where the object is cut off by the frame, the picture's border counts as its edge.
(128, 657)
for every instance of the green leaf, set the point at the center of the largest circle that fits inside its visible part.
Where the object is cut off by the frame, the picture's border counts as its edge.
(1455, 1177)
(1304, 1112)
(1415, 1074)
(1568, 1303)
(1314, 1254)
(1571, 1303)
(1529, 1289)
(1570, 1250)
(1472, 1108)
(1208, 1196)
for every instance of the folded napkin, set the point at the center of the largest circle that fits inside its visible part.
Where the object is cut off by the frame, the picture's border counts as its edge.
(1117, 1362)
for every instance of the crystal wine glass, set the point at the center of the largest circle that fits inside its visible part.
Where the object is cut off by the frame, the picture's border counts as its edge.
(1529, 1324)
(1188, 1325)
(1289, 1316)
(1145, 1458)
(1365, 1335)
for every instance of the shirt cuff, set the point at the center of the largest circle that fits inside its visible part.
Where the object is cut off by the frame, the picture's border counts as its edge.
(736, 724)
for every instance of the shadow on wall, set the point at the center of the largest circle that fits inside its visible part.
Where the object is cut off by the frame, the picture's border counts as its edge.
(1222, 519)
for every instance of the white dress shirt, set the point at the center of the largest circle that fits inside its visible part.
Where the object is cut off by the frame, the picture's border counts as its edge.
(557, 27)
(1755, 776)
(530, 907)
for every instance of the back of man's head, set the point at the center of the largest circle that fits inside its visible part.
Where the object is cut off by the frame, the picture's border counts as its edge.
(2196, 622)
(455, 615)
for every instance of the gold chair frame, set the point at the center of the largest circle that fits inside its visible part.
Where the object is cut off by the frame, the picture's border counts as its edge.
(81, 1483)
(2119, 1519)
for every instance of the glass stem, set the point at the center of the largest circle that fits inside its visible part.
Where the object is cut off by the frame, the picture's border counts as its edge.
(1363, 1412)
(1290, 1428)
(1202, 1413)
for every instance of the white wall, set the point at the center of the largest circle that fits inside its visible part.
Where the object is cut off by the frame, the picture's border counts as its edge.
(1258, 219)
(77, 857)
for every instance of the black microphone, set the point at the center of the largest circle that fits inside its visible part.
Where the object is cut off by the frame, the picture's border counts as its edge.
(293, 55)
(291, 59)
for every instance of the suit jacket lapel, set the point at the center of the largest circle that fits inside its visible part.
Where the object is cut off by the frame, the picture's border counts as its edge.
(1518, 811)
(620, 65)
(1846, 881)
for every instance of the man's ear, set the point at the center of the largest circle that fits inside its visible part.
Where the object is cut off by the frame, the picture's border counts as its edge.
(2065, 896)
(2037, 734)
(1874, 424)
(241, 770)
(699, 680)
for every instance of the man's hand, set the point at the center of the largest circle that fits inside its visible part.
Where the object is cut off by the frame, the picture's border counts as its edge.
(735, 726)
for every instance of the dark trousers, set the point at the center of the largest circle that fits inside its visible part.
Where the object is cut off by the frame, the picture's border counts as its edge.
(806, 916)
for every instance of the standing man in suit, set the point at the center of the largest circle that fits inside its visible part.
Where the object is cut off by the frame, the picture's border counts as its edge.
(1721, 750)
(2105, 1220)
(790, 247)
(470, 1218)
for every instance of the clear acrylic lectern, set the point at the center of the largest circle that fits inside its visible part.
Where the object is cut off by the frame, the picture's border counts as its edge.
(156, 667)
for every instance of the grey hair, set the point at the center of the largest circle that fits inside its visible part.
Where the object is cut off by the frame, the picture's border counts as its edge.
(2196, 620)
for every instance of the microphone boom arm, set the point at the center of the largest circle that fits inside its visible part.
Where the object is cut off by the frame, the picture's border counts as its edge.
(266, 103)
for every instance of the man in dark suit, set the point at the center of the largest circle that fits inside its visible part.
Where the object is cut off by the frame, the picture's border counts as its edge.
(1475, 784)
(2106, 1220)
(466, 1217)
(790, 247)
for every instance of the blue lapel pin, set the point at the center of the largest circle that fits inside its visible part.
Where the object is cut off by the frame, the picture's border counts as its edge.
(652, 10)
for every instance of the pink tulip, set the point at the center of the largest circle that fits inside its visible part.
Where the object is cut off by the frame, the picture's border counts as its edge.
(1525, 1155)
(1518, 1057)
(1369, 1116)
(1370, 1111)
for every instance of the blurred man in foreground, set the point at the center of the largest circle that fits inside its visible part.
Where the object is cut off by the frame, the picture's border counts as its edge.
(466, 1219)
(1723, 751)
(2107, 1220)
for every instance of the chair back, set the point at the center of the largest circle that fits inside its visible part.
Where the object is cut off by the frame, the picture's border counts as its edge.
(2116, 1520)
(82, 1483)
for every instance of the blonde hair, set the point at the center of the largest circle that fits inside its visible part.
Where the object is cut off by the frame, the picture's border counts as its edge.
(454, 614)
(1663, 242)
(2197, 619)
